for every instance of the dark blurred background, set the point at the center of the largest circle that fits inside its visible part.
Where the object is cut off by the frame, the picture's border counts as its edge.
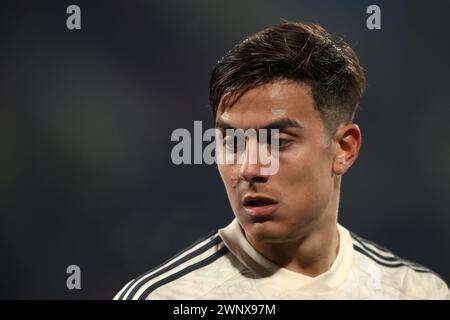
(86, 118)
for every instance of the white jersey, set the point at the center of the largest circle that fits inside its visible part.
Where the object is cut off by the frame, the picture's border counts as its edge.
(225, 266)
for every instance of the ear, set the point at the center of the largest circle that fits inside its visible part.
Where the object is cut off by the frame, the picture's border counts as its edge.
(347, 140)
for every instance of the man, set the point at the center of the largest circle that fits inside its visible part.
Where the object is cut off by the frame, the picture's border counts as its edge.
(285, 242)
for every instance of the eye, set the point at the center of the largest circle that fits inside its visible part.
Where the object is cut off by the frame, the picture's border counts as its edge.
(231, 144)
(283, 142)
(279, 142)
(228, 142)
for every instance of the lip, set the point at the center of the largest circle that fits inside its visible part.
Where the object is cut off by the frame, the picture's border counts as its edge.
(259, 211)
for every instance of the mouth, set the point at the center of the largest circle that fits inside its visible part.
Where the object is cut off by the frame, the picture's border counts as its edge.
(258, 205)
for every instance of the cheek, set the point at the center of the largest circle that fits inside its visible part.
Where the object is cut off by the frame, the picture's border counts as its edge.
(307, 175)
(305, 196)
(230, 181)
(229, 177)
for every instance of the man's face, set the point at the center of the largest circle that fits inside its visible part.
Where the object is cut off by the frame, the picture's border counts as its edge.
(276, 208)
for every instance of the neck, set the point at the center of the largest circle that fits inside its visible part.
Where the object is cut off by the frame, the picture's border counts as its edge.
(312, 255)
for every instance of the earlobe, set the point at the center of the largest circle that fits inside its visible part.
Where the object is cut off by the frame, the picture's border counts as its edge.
(339, 167)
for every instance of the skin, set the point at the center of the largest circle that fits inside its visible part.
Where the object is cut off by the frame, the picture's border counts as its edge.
(301, 234)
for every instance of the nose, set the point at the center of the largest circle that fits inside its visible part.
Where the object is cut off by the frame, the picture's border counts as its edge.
(250, 169)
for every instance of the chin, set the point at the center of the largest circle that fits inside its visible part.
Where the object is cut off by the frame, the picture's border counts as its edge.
(266, 231)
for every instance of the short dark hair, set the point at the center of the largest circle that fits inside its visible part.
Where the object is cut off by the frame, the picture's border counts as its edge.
(301, 52)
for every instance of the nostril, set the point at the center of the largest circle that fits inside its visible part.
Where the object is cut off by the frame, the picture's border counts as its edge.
(259, 179)
(253, 175)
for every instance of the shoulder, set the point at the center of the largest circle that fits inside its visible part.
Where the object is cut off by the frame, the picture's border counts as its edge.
(387, 271)
(189, 274)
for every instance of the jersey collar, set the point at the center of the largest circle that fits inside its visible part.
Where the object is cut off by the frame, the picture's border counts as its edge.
(273, 275)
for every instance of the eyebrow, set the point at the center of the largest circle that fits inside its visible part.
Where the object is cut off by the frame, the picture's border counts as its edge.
(280, 124)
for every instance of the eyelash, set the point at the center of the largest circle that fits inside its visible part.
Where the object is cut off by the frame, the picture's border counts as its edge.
(287, 142)
(281, 145)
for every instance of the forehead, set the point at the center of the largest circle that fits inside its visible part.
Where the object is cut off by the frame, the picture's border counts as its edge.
(260, 105)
